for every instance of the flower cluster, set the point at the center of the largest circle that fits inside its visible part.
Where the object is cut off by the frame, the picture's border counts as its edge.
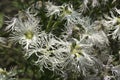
(75, 44)
(65, 12)
(25, 30)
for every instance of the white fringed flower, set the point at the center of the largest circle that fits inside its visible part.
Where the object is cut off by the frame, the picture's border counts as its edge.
(81, 50)
(52, 9)
(116, 32)
(93, 34)
(22, 16)
(114, 23)
(88, 4)
(71, 16)
(51, 54)
(111, 20)
(64, 12)
(26, 31)
(79, 57)
(97, 38)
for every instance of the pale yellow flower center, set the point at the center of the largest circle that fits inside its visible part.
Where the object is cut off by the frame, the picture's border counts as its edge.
(118, 20)
(29, 34)
(76, 50)
(66, 12)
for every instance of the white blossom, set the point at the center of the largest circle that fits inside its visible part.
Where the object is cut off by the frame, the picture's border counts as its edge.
(70, 15)
(91, 4)
(98, 38)
(116, 32)
(26, 32)
(79, 57)
(111, 20)
(51, 54)
(114, 23)
(52, 9)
